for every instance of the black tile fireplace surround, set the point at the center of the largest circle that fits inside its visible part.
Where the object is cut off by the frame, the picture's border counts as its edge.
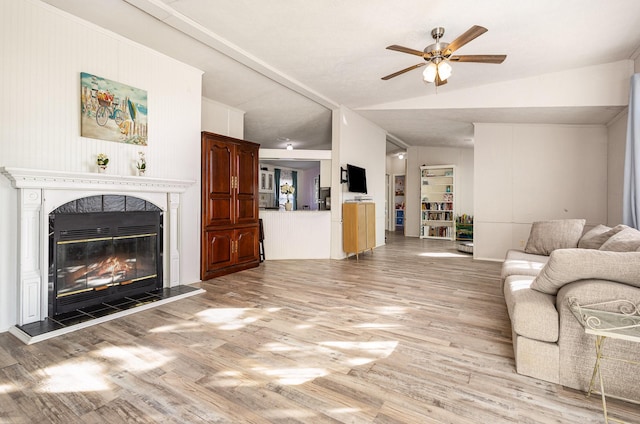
(102, 249)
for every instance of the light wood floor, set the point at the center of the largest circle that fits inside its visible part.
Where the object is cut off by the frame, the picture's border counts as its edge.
(413, 333)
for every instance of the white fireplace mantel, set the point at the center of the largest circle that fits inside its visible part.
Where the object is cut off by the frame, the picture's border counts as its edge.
(41, 191)
(62, 180)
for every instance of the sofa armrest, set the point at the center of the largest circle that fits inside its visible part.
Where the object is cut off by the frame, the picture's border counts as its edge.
(533, 314)
(518, 262)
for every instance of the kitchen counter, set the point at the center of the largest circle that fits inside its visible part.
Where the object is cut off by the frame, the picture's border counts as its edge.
(296, 234)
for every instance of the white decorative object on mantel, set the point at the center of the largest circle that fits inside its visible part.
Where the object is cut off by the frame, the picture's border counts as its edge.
(41, 191)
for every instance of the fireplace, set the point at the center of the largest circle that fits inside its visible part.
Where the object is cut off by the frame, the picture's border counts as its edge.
(103, 248)
(41, 192)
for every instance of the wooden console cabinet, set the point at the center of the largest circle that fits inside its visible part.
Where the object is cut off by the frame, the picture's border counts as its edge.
(358, 227)
(230, 232)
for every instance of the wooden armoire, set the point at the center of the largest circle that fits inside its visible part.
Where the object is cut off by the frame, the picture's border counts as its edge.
(230, 229)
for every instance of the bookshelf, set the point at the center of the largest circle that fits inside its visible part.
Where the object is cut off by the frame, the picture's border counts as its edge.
(464, 227)
(437, 200)
(398, 201)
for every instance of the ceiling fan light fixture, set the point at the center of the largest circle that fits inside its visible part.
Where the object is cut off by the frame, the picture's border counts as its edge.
(444, 70)
(429, 73)
(438, 55)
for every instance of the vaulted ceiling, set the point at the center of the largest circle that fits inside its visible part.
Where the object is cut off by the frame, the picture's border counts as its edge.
(288, 64)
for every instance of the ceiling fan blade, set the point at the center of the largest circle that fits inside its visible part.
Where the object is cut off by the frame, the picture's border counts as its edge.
(410, 68)
(472, 33)
(401, 49)
(479, 58)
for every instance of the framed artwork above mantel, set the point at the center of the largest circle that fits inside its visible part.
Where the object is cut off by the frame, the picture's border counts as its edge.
(113, 111)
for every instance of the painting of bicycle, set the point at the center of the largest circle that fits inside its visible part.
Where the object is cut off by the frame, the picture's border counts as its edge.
(113, 111)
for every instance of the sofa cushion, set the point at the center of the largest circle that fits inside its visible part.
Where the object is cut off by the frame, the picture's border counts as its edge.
(547, 236)
(626, 240)
(518, 262)
(595, 237)
(568, 265)
(533, 314)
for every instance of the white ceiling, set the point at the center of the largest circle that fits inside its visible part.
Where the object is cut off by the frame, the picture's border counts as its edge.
(287, 64)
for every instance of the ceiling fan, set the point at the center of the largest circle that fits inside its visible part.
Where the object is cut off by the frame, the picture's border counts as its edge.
(438, 55)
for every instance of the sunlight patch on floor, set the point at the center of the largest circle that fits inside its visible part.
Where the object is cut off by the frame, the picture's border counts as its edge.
(380, 349)
(376, 325)
(75, 376)
(8, 388)
(229, 318)
(292, 376)
(391, 310)
(174, 327)
(304, 326)
(443, 255)
(360, 361)
(287, 414)
(344, 410)
(135, 359)
(230, 379)
(278, 347)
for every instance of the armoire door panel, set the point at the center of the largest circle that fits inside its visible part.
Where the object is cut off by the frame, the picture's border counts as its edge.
(220, 211)
(247, 243)
(220, 172)
(247, 212)
(217, 180)
(247, 166)
(218, 248)
(247, 188)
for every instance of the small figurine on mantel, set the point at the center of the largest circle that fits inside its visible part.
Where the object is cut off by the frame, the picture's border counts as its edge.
(141, 164)
(102, 161)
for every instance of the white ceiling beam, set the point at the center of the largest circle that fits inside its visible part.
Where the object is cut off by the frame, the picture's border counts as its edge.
(175, 19)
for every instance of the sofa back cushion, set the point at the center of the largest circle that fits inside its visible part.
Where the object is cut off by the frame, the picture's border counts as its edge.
(595, 237)
(626, 240)
(569, 265)
(547, 236)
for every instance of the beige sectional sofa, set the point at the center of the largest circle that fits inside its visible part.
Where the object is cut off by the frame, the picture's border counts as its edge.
(561, 262)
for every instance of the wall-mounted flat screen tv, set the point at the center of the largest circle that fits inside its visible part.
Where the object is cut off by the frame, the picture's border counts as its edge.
(356, 179)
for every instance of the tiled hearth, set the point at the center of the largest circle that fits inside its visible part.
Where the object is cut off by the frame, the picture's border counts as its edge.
(92, 315)
(42, 191)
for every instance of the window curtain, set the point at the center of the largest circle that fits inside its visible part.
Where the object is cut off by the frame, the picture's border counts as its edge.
(276, 181)
(631, 195)
(294, 183)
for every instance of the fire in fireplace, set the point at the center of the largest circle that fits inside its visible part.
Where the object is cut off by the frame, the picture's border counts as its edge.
(103, 248)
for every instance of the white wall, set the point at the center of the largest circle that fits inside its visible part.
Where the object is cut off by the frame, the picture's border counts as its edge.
(43, 51)
(462, 158)
(395, 165)
(526, 173)
(359, 142)
(222, 119)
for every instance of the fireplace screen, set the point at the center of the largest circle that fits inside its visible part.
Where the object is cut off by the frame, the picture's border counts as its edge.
(84, 265)
(100, 257)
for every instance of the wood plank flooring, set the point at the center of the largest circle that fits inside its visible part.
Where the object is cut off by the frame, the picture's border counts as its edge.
(414, 333)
